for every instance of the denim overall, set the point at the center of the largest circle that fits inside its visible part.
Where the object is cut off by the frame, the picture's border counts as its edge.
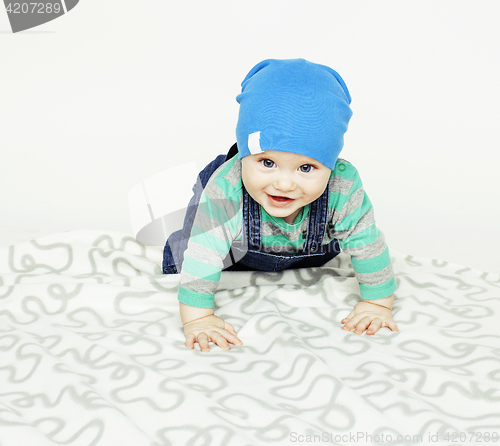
(249, 251)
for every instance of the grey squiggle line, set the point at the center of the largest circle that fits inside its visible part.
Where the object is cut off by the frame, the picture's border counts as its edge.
(86, 400)
(337, 386)
(493, 282)
(446, 330)
(15, 339)
(453, 307)
(87, 379)
(58, 279)
(460, 366)
(439, 263)
(296, 340)
(364, 372)
(275, 424)
(71, 317)
(120, 297)
(462, 286)
(464, 372)
(143, 326)
(177, 396)
(131, 339)
(10, 289)
(122, 247)
(461, 271)
(474, 393)
(411, 262)
(274, 367)
(203, 388)
(468, 349)
(91, 258)
(89, 336)
(154, 281)
(29, 263)
(440, 410)
(159, 324)
(317, 275)
(120, 260)
(320, 333)
(413, 282)
(97, 425)
(176, 364)
(198, 432)
(20, 356)
(379, 388)
(414, 316)
(118, 372)
(123, 243)
(41, 307)
(59, 293)
(493, 338)
(466, 310)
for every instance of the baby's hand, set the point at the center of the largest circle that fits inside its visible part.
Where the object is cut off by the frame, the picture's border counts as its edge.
(210, 328)
(369, 317)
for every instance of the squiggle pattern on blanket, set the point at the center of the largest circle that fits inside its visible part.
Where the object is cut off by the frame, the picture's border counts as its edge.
(92, 352)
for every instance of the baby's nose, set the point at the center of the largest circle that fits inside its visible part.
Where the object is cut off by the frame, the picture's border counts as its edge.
(285, 183)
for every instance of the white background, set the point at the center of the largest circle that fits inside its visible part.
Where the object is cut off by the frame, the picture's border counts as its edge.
(116, 91)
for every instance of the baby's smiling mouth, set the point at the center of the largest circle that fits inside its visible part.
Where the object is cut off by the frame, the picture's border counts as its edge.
(278, 198)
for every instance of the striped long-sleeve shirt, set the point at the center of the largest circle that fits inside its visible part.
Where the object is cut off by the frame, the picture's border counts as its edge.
(219, 222)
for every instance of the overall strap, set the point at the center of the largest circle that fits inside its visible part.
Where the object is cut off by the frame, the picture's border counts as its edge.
(318, 214)
(252, 221)
(251, 212)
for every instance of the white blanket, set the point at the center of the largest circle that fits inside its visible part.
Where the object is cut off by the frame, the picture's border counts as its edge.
(92, 353)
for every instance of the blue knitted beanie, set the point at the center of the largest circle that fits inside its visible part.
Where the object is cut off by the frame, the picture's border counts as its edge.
(295, 106)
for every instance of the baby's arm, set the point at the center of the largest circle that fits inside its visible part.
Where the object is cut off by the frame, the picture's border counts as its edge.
(217, 223)
(371, 315)
(201, 325)
(355, 228)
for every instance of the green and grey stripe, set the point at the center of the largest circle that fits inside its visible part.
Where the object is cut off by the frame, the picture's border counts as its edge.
(219, 220)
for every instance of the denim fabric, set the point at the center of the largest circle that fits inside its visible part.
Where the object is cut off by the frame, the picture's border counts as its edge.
(177, 241)
(249, 251)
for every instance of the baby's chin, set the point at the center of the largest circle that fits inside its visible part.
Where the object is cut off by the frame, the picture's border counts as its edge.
(281, 212)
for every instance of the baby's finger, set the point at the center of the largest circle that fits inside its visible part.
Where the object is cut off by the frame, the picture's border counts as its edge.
(203, 342)
(190, 339)
(347, 318)
(362, 324)
(232, 338)
(220, 340)
(229, 328)
(374, 327)
(352, 322)
(391, 324)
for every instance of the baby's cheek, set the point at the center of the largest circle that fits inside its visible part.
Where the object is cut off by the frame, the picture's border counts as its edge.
(320, 185)
(315, 194)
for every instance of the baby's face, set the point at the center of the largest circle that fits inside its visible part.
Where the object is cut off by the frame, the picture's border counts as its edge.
(282, 182)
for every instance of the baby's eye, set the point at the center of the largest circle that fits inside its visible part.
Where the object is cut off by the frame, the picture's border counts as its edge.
(267, 163)
(306, 168)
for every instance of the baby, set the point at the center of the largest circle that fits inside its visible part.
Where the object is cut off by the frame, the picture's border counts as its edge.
(281, 198)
